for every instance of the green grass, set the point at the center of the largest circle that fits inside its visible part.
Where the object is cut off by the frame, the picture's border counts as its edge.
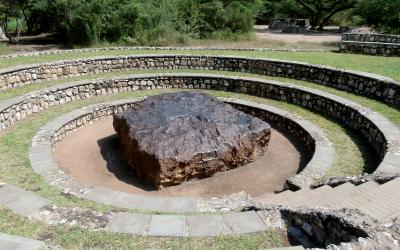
(15, 142)
(386, 66)
(4, 49)
(77, 238)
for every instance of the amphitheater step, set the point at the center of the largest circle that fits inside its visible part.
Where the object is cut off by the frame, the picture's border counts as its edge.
(382, 202)
(8, 242)
(22, 202)
(367, 186)
(379, 201)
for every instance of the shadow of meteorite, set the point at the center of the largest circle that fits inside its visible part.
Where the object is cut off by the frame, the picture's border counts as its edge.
(110, 149)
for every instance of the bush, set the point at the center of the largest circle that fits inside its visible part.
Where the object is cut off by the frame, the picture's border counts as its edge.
(145, 22)
(384, 15)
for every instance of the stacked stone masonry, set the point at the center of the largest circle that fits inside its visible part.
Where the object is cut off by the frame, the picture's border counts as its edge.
(381, 133)
(372, 86)
(371, 37)
(371, 44)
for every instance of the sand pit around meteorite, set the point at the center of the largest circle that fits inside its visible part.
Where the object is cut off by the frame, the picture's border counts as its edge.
(92, 154)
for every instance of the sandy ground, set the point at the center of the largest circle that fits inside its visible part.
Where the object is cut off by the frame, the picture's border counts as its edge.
(262, 32)
(92, 155)
(43, 42)
(263, 39)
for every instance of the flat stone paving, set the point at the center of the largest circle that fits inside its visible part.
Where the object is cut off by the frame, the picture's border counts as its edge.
(11, 242)
(27, 203)
(22, 202)
(186, 225)
(128, 223)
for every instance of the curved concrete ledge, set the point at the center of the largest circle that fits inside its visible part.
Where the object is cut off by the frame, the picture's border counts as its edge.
(40, 153)
(382, 134)
(126, 48)
(369, 85)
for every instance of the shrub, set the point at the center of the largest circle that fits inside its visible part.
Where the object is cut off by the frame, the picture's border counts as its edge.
(384, 15)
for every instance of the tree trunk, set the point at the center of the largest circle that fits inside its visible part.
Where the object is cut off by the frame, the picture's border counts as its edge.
(17, 32)
(313, 21)
(29, 22)
(12, 39)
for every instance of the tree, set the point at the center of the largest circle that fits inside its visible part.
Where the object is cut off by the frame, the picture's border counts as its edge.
(383, 15)
(11, 9)
(320, 12)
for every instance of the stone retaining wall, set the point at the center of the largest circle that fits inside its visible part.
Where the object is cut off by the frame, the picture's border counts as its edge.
(370, 37)
(320, 150)
(379, 131)
(286, 124)
(371, 44)
(369, 85)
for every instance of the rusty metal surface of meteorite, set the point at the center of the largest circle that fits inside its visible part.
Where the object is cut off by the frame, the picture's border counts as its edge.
(172, 138)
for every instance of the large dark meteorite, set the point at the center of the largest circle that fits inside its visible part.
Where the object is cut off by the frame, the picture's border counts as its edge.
(172, 138)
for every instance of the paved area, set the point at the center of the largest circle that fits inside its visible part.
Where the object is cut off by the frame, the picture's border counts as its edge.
(262, 32)
(29, 204)
(20, 201)
(187, 226)
(11, 242)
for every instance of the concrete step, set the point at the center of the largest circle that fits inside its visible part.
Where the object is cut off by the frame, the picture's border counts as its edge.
(380, 201)
(278, 198)
(346, 187)
(337, 194)
(264, 197)
(368, 186)
(348, 191)
(392, 185)
(302, 197)
(322, 190)
(312, 197)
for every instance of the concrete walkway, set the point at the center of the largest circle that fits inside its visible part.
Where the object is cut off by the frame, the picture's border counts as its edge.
(29, 204)
(11, 242)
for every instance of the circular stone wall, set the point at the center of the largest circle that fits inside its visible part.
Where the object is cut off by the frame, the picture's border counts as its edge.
(382, 134)
(373, 86)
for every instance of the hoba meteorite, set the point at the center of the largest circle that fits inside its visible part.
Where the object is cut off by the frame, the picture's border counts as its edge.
(172, 138)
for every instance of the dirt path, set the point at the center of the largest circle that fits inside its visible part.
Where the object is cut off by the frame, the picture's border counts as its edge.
(92, 155)
(262, 32)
